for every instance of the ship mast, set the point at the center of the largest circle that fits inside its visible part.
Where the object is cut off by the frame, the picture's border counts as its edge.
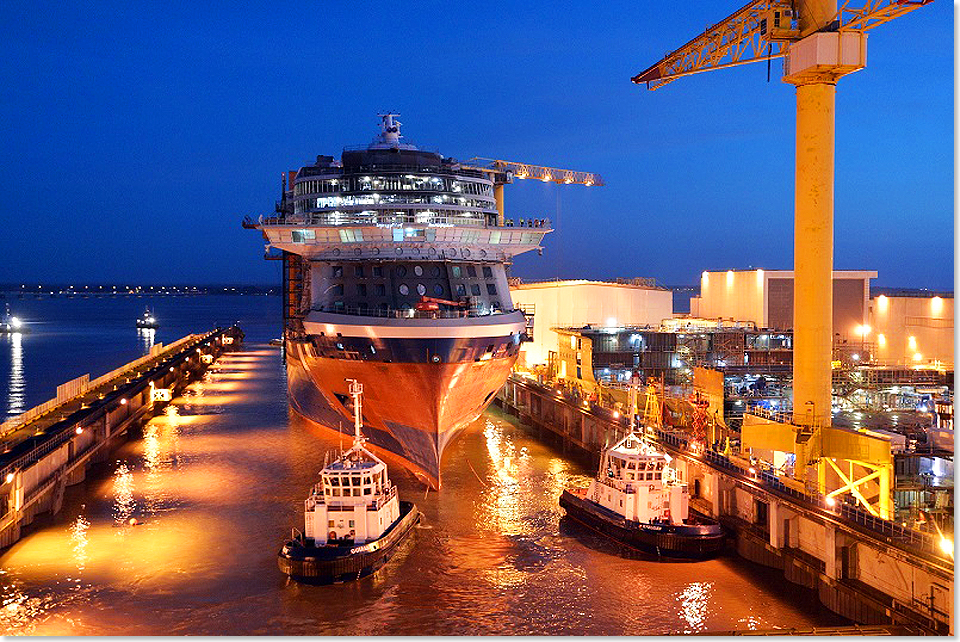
(356, 391)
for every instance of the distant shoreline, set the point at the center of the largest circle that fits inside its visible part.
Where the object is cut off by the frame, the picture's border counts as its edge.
(17, 291)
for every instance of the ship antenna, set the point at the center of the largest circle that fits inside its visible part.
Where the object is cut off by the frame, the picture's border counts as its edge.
(356, 391)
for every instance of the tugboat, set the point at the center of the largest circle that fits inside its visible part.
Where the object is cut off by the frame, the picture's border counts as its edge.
(353, 520)
(148, 321)
(638, 500)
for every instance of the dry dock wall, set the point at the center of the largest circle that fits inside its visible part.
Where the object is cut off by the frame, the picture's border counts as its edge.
(35, 470)
(865, 569)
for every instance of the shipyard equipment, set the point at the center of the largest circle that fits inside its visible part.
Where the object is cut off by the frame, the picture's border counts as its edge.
(503, 172)
(821, 41)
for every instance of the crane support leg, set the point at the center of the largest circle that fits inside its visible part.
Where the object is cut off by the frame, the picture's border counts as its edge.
(813, 254)
(498, 195)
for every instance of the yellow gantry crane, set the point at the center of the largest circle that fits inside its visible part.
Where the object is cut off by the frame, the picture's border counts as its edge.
(820, 42)
(503, 172)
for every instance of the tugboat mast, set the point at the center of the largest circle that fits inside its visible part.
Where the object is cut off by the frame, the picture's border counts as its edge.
(356, 391)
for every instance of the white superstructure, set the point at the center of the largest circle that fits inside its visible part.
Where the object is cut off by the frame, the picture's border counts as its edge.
(636, 482)
(354, 501)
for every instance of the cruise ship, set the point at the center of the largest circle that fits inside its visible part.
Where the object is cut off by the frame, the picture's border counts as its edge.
(394, 275)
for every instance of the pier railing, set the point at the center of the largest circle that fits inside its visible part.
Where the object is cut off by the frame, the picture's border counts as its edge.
(84, 385)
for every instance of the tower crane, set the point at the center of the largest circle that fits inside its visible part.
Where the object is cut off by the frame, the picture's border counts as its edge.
(820, 42)
(503, 172)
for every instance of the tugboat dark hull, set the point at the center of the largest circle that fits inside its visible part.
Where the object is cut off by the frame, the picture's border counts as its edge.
(310, 564)
(693, 541)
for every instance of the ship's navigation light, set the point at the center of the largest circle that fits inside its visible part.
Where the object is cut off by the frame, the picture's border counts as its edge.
(15, 322)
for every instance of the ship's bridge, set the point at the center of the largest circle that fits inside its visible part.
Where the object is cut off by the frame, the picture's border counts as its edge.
(389, 201)
(404, 241)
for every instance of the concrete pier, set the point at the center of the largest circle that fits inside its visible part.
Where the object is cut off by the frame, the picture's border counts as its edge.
(867, 569)
(50, 447)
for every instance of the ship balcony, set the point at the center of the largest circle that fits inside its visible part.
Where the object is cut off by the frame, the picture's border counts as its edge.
(420, 241)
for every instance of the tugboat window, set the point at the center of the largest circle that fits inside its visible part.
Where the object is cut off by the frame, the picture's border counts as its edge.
(362, 289)
(421, 289)
(358, 271)
(491, 289)
(475, 289)
(404, 290)
(380, 289)
(455, 270)
(401, 271)
(435, 271)
(461, 290)
(418, 270)
(337, 271)
(377, 270)
(487, 272)
(471, 271)
(437, 290)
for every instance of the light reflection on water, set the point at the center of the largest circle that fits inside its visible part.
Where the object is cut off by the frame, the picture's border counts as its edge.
(218, 479)
(147, 338)
(17, 382)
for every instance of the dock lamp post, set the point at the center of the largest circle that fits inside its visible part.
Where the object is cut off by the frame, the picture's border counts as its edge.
(863, 331)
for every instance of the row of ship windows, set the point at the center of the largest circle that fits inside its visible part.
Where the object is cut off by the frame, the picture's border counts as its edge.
(400, 271)
(391, 183)
(326, 202)
(380, 289)
(400, 234)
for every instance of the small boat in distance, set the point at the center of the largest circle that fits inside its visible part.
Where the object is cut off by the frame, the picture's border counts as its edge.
(353, 519)
(11, 324)
(637, 500)
(148, 321)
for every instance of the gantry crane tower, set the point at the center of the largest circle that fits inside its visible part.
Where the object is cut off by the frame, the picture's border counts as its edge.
(503, 172)
(820, 42)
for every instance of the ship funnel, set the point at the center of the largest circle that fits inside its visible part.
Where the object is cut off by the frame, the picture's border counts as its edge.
(389, 130)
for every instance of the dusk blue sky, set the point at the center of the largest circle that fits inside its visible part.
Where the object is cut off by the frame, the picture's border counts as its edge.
(134, 137)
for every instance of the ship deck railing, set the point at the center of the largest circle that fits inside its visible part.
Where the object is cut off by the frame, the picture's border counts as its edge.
(410, 313)
(308, 219)
(318, 499)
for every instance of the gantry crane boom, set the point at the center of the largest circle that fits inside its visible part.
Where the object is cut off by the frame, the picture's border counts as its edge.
(502, 172)
(536, 172)
(736, 40)
(762, 30)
